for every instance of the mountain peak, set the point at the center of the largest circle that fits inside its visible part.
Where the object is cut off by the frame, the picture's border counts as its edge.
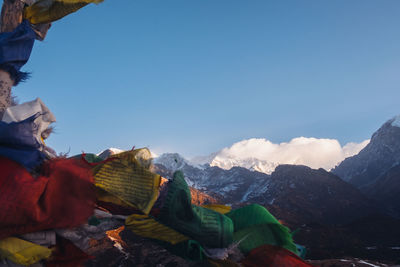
(251, 163)
(395, 121)
(381, 154)
(109, 152)
(172, 161)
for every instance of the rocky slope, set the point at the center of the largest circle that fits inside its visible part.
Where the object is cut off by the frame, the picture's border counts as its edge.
(305, 195)
(381, 154)
(375, 238)
(376, 169)
(386, 191)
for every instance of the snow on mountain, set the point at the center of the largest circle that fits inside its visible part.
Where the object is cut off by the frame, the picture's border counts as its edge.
(252, 164)
(261, 155)
(396, 121)
(171, 161)
(292, 187)
(264, 156)
(109, 152)
(234, 184)
(242, 171)
(203, 161)
(113, 151)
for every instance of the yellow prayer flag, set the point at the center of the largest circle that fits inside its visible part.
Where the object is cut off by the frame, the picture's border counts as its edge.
(127, 176)
(22, 252)
(218, 208)
(146, 226)
(46, 11)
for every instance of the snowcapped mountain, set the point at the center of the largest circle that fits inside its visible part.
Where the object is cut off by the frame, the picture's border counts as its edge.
(109, 152)
(258, 154)
(302, 194)
(252, 164)
(396, 121)
(171, 161)
(233, 185)
(380, 155)
(375, 170)
(203, 161)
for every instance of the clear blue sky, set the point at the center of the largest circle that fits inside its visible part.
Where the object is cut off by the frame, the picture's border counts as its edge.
(195, 76)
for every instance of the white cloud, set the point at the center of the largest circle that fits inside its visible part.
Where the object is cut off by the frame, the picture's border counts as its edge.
(263, 155)
(350, 149)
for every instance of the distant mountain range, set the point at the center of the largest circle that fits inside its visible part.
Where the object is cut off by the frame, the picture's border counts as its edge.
(352, 210)
(374, 170)
(372, 174)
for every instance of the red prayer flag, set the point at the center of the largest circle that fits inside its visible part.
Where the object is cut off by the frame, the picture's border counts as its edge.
(273, 256)
(62, 196)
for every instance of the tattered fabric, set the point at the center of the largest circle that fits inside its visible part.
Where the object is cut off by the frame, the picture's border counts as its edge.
(18, 142)
(62, 196)
(206, 226)
(43, 238)
(66, 254)
(127, 176)
(28, 109)
(22, 252)
(254, 226)
(45, 11)
(15, 50)
(145, 226)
